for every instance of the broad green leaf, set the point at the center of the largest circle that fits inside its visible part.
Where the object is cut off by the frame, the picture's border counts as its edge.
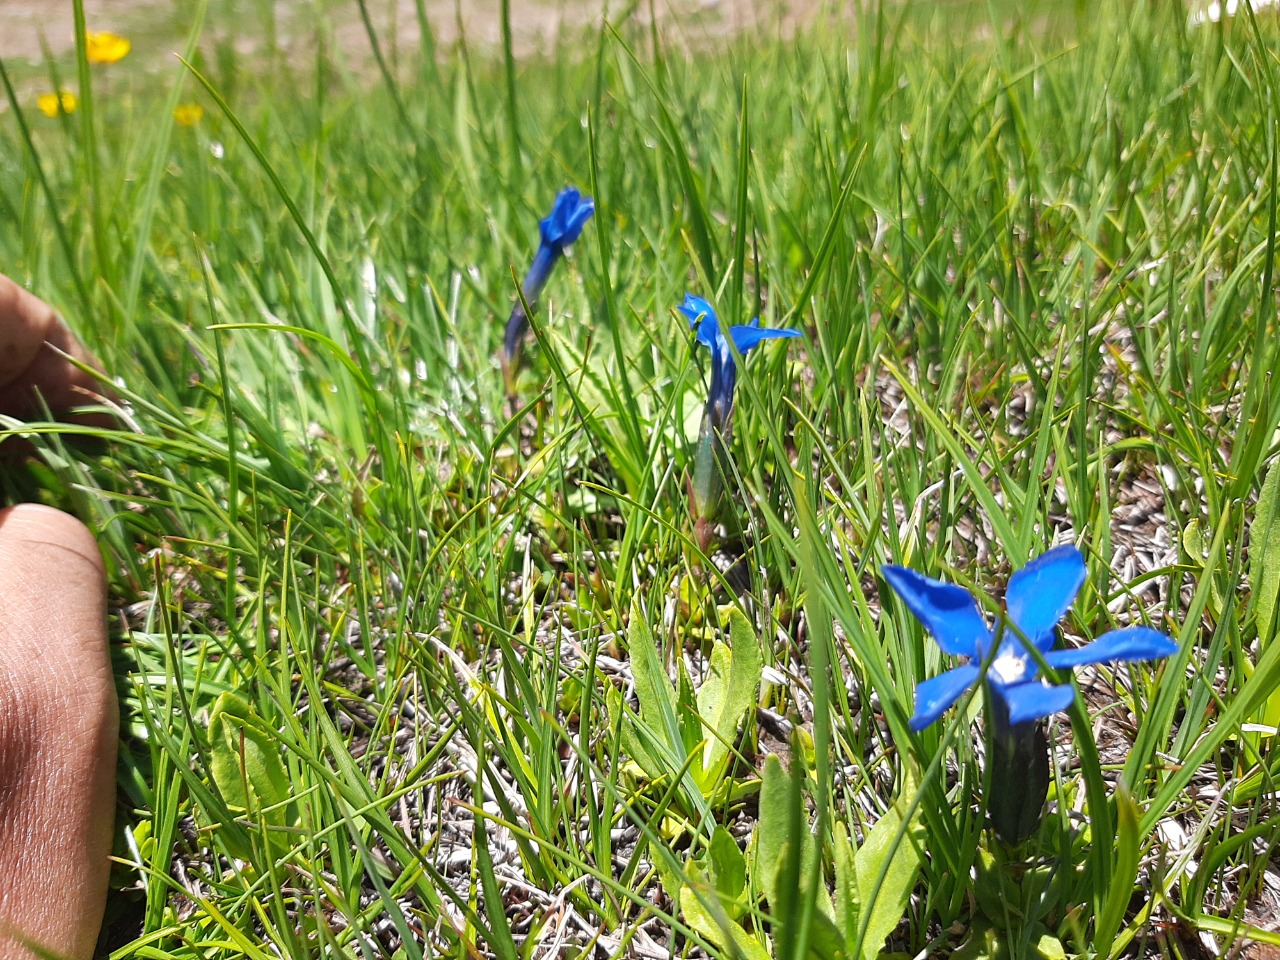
(983, 943)
(1124, 874)
(687, 715)
(886, 867)
(847, 903)
(631, 745)
(653, 687)
(826, 942)
(988, 888)
(245, 762)
(712, 692)
(1049, 947)
(1196, 546)
(716, 925)
(774, 846)
(734, 683)
(1264, 554)
(658, 734)
(772, 829)
(671, 879)
(728, 868)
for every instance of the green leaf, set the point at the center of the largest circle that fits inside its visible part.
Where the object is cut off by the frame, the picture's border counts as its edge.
(500, 938)
(1196, 546)
(671, 879)
(245, 762)
(1125, 873)
(825, 939)
(702, 913)
(653, 687)
(774, 853)
(715, 686)
(772, 829)
(687, 715)
(886, 867)
(728, 868)
(847, 903)
(990, 890)
(730, 691)
(984, 943)
(1049, 947)
(1264, 554)
(631, 744)
(661, 725)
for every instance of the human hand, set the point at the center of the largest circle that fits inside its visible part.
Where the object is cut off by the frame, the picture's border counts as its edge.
(33, 374)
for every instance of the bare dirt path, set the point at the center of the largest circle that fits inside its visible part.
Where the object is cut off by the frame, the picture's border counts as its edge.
(291, 24)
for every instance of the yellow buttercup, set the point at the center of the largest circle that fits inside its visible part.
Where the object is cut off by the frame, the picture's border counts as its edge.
(51, 104)
(187, 114)
(106, 47)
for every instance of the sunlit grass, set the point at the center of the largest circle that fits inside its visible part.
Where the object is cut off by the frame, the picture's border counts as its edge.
(1032, 257)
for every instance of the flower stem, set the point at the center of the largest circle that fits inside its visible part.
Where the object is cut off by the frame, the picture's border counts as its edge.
(709, 465)
(1017, 780)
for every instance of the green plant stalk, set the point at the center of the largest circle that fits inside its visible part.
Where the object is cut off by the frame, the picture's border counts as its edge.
(707, 487)
(1017, 775)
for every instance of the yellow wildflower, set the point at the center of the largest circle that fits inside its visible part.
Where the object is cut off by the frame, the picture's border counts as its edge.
(187, 114)
(51, 104)
(105, 47)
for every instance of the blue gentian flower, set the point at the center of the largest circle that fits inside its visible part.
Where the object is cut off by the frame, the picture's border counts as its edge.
(1037, 597)
(560, 229)
(709, 463)
(724, 372)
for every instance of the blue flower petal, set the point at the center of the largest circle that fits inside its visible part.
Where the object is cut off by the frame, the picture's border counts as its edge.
(696, 309)
(702, 318)
(573, 227)
(935, 695)
(570, 213)
(748, 337)
(552, 226)
(1129, 644)
(1034, 700)
(948, 612)
(709, 336)
(1040, 593)
(566, 202)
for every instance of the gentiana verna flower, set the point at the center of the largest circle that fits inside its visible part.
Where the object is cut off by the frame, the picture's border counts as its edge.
(1018, 700)
(709, 464)
(559, 230)
(1037, 597)
(724, 371)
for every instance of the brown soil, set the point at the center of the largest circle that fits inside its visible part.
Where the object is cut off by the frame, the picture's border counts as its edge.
(158, 27)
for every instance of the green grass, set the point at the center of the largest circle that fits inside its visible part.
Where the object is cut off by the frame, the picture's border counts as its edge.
(1033, 257)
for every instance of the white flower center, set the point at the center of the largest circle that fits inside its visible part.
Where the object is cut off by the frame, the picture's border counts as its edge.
(1009, 667)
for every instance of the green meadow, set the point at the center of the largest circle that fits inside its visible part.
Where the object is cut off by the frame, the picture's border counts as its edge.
(413, 666)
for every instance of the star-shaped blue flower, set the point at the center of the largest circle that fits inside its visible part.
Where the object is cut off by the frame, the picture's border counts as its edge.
(1037, 597)
(724, 372)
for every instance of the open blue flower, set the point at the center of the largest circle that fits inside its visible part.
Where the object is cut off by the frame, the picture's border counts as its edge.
(1037, 597)
(559, 230)
(724, 372)
(710, 463)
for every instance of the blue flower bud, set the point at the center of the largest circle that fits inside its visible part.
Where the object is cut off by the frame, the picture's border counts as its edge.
(558, 230)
